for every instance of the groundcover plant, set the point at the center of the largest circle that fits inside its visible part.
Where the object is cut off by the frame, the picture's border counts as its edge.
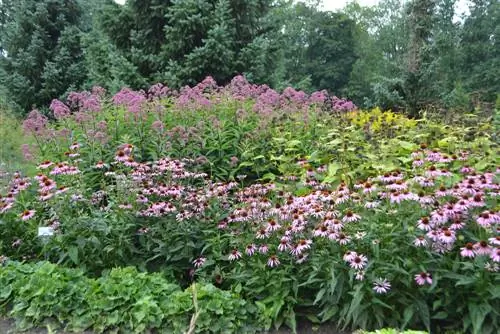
(295, 205)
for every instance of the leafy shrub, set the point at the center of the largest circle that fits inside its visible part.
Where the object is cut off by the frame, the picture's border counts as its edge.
(125, 299)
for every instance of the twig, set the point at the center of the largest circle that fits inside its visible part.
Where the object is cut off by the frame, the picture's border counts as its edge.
(192, 324)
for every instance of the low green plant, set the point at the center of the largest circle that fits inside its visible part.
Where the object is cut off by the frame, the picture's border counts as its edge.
(133, 302)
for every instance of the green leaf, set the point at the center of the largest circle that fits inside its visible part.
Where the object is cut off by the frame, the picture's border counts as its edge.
(73, 254)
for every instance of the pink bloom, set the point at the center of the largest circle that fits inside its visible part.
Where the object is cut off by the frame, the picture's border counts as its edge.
(358, 262)
(424, 224)
(351, 217)
(349, 256)
(263, 249)
(27, 214)
(273, 261)
(301, 258)
(45, 164)
(381, 286)
(468, 250)
(495, 240)
(420, 241)
(199, 262)
(235, 255)
(447, 236)
(482, 248)
(360, 275)
(283, 246)
(485, 220)
(250, 249)
(423, 278)
(495, 255)
(303, 244)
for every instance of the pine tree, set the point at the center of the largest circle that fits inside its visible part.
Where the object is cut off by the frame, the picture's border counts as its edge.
(41, 55)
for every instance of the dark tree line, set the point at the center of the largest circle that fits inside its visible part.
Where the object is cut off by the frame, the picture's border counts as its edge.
(391, 55)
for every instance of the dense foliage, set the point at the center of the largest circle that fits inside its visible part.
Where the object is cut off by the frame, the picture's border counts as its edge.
(294, 205)
(398, 54)
(124, 299)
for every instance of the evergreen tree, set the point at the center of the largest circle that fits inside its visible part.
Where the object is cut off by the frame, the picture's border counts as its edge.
(480, 50)
(41, 55)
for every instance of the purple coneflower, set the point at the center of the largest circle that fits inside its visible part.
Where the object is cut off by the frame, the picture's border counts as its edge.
(358, 262)
(235, 255)
(273, 261)
(468, 250)
(381, 286)
(27, 214)
(199, 262)
(423, 278)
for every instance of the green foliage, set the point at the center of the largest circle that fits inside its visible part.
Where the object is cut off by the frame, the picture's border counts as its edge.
(123, 299)
(42, 54)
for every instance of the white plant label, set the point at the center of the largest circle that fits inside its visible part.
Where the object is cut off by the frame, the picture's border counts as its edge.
(45, 231)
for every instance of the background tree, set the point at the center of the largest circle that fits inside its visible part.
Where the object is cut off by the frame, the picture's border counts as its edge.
(480, 50)
(41, 55)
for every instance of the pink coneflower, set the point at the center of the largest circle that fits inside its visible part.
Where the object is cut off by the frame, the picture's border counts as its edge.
(272, 226)
(74, 146)
(485, 220)
(199, 262)
(425, 224)
(235, 255)
(47, 185)
(482, 248)
(273, 261)
(368, 188)
(420, 241)
(396, 197)
(301, 258)
(372, 205)
(61, 190)
(262, 234)
(45, 195)
(350, 217)
(250, 250)
(417, 162)
(343, 239)
(263, 249)
(495, 240)
(468, 250)
(358, 262)
(447, 236)
(283, 246)
(457, 225)
(349, 256)
(27, 214)
(321, 231)
(381, 286)
(495, 255)
(121, 156)
(303, 245)
(45, 164)
(100, 165)
(477, 201)
(4, 207)
(360, 275)
(423, 278)
(336, 225)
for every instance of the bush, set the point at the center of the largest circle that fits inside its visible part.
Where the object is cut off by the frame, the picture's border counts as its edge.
(37, 294)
